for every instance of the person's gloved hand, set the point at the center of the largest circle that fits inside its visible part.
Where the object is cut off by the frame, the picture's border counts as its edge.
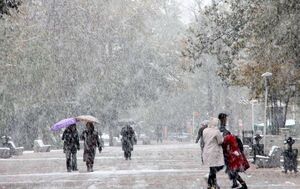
(78, 148)
(100, 149)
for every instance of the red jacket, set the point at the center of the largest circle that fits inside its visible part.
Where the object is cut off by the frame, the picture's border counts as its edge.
(235, 160)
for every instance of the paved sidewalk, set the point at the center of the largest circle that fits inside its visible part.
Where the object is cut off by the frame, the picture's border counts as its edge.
(152, 166)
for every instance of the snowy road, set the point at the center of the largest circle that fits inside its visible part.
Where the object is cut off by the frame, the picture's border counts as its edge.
(152, 166)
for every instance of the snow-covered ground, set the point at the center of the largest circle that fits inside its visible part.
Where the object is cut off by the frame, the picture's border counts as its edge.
(152, 166)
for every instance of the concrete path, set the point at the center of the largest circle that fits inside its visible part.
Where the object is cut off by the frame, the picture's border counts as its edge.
(175, 166)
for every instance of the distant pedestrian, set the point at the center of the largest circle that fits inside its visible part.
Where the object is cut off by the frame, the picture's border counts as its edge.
(203, 126)
(213, 152)
(234, 157)
(71, 145)
(258, 149)
(159, 134)
(7, 142)
(128, 140)
(91, 141)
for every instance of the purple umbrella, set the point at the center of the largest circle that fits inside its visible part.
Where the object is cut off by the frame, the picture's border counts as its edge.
(63, 124)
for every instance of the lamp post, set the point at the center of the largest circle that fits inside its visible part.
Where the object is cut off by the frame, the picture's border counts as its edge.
(266, 76)
(253, 101)
(293, 90)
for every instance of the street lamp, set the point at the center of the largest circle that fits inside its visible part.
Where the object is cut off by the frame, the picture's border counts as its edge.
(293, 90)
(266, 76)
(253, 101)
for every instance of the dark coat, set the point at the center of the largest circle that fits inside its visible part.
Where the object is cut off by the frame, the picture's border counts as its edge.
(91, 141)
(128, 138)
(71, 141)
(200, 136)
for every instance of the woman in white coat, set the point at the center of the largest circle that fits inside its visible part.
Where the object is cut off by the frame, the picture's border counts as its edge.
(213, 152)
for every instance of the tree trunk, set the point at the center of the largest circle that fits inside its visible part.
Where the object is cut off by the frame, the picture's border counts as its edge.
(279, 111)
(209, 97)
(110, 127)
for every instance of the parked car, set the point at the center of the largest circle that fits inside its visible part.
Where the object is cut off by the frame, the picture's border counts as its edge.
(181, 137)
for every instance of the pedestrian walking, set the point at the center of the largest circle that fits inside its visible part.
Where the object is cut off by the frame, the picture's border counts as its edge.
(213, 152)
(128, 140)
(71, 145)
(234, 157)
(159, 134)
(91, 141)
(203, 126)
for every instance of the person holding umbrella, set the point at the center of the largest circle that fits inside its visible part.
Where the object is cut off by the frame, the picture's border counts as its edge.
(71, 145)
(91, 141)
(128, 140)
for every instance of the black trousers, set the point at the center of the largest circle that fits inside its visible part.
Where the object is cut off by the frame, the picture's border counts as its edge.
(127, 154)
(212, 178)
(71, 160)
(234, 176)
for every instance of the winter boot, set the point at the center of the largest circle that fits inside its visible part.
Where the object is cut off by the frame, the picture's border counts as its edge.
(125, 155)
(88, 166)
(234, 184)
(212, 187)
(129, 155)
(244, 186)
(68, 164)
(69, 169)
(74, 167)
(215, 184)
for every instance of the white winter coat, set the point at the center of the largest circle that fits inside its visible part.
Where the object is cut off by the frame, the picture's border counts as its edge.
(212, 151)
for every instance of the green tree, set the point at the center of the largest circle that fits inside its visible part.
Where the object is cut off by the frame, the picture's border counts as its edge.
(250, 38)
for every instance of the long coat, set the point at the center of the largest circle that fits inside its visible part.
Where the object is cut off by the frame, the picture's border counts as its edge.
(71, 141)
(91, 141)
(234, 157)
(212, 151)
(128, 138)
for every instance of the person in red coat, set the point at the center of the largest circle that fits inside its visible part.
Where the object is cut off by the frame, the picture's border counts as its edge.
(235, 159)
